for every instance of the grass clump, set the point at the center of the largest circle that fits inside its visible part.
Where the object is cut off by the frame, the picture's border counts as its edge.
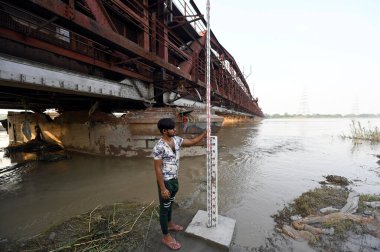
(368, 198)
(359, 132)
(337, 180)
(310, 202)
(341, 227)
(120, 227)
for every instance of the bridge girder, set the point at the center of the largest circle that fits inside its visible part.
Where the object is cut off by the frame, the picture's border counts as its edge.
(155, 42)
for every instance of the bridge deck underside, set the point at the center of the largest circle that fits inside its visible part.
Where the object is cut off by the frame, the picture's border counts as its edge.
(157, 47)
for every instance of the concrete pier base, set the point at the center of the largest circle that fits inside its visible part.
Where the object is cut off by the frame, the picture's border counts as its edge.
(221, 234)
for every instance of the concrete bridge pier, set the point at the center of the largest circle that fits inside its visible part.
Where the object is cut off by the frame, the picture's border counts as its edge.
(133, 133)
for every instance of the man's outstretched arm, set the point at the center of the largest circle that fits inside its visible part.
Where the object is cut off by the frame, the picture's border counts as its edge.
(195, 140)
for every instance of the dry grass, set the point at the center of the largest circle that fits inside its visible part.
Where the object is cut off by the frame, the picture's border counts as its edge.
(366, 197)
(359, 132)
(120, 227)
(310, 202)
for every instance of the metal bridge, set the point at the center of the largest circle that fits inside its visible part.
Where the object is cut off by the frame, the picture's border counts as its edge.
(118, 54)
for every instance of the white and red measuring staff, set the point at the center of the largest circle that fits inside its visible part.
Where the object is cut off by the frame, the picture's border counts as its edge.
(212, 141)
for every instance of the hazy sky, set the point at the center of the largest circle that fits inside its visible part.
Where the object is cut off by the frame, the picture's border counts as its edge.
(317, 56)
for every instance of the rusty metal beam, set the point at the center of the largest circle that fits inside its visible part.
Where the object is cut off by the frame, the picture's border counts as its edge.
(196, 47)
(58, 8)
(145, 39)
(15, 36)
(42, 26)
(181, 23)
(127, 11)
(125, 61)
(101, 14)
(142, 21)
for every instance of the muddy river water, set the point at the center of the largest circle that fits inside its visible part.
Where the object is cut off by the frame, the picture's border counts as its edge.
(261, 167)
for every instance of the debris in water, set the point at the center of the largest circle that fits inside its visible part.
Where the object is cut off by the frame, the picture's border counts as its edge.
(337, 180)
(328, 209)
(374, 204)
(295, 217)
(330, 223)
(44, 151)
(352, 203)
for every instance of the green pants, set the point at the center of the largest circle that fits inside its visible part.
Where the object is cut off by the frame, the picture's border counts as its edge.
(166, 204)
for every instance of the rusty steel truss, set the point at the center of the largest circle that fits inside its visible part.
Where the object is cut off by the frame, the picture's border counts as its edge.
(161, 42)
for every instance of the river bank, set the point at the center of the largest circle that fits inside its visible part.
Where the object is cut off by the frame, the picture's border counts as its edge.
(120, 227)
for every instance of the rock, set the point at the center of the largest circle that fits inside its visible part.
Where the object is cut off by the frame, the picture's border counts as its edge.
(373, 204)
(333, 217)
(377, 214)
(298, 225)
(52, 157)
(373, 227)
(368, 213)
(328, 231)
(352, 203)
(363, 242)
(313, 230)
(52, 236)
(308, 236)
(337, 180)
(295, 217)
(291, 232)
(328, 209)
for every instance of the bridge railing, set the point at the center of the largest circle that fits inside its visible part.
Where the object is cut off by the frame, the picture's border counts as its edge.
(45, 30)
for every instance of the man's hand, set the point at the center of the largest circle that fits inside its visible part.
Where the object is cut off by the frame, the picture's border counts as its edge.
(165, 194)
(195, 140)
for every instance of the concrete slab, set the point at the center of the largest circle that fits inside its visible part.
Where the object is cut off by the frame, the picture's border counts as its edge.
(221, 234)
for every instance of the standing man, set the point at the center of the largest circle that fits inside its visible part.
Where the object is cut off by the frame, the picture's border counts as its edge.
(166, 164)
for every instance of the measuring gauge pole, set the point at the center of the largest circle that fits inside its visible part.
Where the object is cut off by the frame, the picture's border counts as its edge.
(212, 142)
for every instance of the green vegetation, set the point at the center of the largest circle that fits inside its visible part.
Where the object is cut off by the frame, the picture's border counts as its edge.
(337, 180)
(368, 198)
(310, 202)
(359, 132)
(341, 227)
(337, 231)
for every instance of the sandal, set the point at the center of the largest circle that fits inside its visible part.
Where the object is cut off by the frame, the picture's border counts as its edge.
(173, 245)
(176, 228)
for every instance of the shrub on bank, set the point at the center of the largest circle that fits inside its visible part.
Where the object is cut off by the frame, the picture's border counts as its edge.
(359, 132)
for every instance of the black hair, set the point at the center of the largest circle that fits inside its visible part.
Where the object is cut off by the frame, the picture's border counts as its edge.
(165, 123)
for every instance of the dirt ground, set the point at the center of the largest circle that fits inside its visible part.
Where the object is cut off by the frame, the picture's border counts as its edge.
(121, 227)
